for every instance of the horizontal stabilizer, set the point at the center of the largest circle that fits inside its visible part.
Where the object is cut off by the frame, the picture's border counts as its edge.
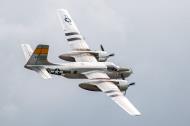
(27, 50)
(43, 72)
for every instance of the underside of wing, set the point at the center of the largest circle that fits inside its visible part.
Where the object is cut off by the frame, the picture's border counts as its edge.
(96, 75)
(72, 34)
(115, 94)
(111, 90)
(74, 38)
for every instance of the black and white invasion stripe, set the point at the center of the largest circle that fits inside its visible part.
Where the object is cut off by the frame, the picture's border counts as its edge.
(71, 33)
(113, 93)
(73, 36)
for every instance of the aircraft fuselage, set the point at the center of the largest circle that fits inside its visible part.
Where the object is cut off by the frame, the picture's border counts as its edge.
(75, 70)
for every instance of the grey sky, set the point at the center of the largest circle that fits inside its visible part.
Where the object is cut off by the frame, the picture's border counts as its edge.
(151, 37)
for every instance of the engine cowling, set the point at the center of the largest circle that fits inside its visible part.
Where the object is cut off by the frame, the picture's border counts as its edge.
(102, 56)
(123, 85)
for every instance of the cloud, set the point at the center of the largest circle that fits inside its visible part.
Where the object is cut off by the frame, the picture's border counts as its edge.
(151, 37)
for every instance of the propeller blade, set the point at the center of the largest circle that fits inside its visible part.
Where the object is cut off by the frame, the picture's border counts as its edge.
(122, 77)
(125, 92)
(112, 54)
(131, 84)
(102, 48)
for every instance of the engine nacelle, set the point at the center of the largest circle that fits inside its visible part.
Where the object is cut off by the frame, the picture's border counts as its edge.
(101, 56)
(123, 85)
(91, 85)
(67, 57)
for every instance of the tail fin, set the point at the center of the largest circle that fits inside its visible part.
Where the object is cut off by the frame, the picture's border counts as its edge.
(39, 56)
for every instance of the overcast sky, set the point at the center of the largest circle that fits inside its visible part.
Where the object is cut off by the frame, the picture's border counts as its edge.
(150, 36)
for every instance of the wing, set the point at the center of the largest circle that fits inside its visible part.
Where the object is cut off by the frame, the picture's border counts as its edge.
(85, 57)
(111, 90)
(96, 75)
(74, 38)
(115, 94)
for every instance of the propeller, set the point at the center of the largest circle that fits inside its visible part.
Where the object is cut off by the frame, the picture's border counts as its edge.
(102, 48)
(131, 84)
(122, 77)
(125, 92)
(112, 54)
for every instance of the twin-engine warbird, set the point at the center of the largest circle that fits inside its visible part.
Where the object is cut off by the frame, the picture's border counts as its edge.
(84, 64)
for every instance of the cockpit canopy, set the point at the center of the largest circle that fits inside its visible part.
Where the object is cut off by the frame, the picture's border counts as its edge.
(112, 67)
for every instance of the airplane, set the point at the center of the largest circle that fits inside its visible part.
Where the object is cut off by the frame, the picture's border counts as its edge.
(84, 63)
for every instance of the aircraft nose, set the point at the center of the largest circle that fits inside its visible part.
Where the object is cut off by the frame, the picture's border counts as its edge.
(126, 70)
(131, 71)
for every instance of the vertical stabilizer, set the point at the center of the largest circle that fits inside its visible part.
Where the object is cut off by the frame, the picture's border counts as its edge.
(39, 56)
(37, 59)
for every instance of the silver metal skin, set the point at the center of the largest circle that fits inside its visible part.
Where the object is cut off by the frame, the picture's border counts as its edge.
(84, 64)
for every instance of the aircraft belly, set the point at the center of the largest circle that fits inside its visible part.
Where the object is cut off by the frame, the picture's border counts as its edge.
(117, 75)
(75, 76)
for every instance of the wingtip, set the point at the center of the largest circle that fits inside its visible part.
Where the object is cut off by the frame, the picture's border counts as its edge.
(137, 114)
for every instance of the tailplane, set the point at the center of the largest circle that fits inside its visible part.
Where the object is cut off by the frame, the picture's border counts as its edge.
(37, 58)
(27, 50)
